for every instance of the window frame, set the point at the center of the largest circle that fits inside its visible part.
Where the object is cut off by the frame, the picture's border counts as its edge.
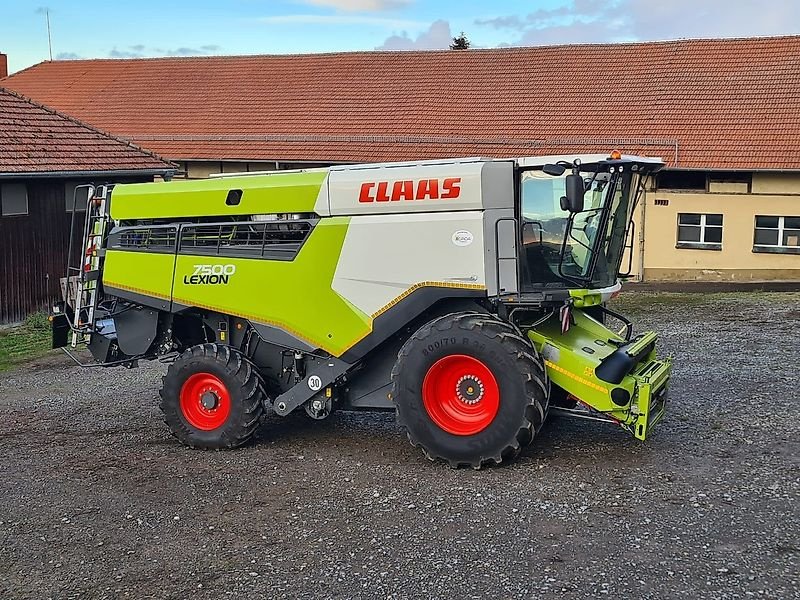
(702, 226)
(778, 248)
(24, 187)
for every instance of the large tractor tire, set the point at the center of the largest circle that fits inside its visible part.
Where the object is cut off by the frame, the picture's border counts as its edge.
(470, 390)
(212, 397)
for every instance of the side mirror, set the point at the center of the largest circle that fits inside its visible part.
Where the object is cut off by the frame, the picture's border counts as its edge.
(573, 201)
(554, 170)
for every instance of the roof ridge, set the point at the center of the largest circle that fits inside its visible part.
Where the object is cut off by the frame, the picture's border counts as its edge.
(58, 113)
(28, 68)
(500, 49)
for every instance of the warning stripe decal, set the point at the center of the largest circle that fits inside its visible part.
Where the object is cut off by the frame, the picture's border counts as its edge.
(439, 284)
(578, 378)
(128, 288)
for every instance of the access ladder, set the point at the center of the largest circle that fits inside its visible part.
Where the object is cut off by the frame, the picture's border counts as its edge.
(88, 280)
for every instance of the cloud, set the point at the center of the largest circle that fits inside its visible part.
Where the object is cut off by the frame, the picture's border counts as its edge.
(509, 22)
(358, 5)
(631, 20)
(185, 51)
(438, 36)
(124, 54)
(717, 18)
(67, 56)
(141, 51)
(339, 20)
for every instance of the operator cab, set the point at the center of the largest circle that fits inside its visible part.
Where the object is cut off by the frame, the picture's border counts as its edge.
(576, 218)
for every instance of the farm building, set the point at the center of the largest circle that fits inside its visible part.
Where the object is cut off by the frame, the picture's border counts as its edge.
(722, 113)
(44, 155)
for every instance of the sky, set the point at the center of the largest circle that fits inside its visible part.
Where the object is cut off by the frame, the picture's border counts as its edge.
(126, 29)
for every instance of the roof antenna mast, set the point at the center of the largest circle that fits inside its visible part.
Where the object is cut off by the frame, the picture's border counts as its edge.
(49, 39)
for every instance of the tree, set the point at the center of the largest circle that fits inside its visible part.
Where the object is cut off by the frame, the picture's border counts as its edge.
(460, 42)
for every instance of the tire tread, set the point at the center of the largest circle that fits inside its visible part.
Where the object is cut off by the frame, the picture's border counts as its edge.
(528, 363)
(241, 370)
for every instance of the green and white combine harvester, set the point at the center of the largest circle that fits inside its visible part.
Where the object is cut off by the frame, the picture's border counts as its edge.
(469, 295)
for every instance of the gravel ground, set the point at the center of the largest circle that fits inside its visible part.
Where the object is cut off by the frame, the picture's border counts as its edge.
(98, 501)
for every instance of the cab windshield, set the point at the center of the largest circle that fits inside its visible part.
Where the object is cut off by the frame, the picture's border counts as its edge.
(589, 251)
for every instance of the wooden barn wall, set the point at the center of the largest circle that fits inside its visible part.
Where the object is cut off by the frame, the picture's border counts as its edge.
(33, 250)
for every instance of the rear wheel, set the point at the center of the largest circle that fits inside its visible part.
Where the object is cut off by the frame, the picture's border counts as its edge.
(470, 389)
(212, 397)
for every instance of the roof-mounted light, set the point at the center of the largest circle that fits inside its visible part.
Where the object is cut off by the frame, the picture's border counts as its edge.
(616, 155)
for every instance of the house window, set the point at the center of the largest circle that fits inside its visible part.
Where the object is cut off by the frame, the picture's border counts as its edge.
(694, 181)
(777, 234)
(13, 199)
(700, 231)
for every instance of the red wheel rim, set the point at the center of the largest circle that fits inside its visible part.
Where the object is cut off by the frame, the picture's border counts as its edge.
(460, 394)
(205, 401)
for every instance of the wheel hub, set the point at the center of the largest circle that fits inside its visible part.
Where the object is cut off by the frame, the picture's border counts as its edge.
(469, 389)
(205, 401)
(209, 400)
(461, 394)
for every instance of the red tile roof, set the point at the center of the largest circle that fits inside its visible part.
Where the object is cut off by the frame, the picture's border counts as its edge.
(725, 104)
(35, 139)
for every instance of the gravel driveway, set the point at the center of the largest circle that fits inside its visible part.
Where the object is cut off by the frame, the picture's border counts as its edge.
(98, 501)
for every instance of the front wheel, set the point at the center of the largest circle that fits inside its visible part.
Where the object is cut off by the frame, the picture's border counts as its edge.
(470, 389)
(212, 397)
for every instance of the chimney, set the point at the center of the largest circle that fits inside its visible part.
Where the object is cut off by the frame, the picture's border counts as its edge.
(3, 65)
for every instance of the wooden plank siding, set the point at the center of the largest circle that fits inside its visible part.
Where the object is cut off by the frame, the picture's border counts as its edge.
(33, 250)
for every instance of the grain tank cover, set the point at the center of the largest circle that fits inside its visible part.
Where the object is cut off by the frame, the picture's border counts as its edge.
(289, 192)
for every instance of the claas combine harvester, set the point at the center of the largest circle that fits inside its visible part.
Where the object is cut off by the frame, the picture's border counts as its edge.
(469, 295)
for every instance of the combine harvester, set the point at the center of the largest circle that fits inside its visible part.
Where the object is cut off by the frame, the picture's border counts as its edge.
(469, 295)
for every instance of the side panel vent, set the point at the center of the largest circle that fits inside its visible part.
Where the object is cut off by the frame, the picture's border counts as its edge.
(277, 240)
(146, 239)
